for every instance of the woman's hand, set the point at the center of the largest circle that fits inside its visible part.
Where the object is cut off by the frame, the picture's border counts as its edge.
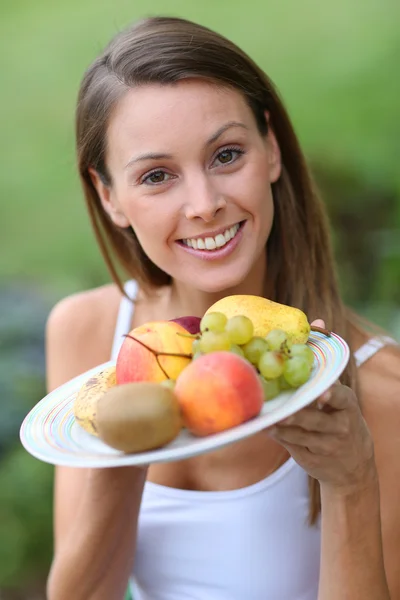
(330, 439)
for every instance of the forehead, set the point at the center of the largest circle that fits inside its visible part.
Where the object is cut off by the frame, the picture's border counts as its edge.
(153, 115)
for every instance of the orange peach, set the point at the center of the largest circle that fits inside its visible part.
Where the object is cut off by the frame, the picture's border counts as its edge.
(138, 359)
(218, 391)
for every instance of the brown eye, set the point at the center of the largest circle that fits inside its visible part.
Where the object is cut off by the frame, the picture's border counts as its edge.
(156, 177)
(226, 156)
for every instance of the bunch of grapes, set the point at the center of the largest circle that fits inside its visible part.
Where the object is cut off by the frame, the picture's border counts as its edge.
(279, 364)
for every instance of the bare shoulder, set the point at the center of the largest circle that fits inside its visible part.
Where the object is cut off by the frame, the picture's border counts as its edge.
(380, 380)
(79, 332)
(380, 400)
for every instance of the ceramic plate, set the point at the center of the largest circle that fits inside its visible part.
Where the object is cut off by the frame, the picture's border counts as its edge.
(50, 433)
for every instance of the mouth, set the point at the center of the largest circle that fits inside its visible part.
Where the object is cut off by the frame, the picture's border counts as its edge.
(214, 246)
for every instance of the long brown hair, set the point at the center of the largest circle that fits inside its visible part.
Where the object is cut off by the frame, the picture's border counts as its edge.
(166, 50)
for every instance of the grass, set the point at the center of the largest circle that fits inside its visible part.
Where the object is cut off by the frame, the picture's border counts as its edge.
(335, 65)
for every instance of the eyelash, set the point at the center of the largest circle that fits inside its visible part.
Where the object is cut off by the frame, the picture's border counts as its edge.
(239, 152)
(236, 149)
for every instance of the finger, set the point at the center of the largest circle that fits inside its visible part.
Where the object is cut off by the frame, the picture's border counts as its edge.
(338, 397)
(318, 323)
(314, 442)
(300, 454)
(323, 401)
(311, 419)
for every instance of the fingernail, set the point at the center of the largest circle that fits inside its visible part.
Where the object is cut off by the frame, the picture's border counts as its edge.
(326, 396)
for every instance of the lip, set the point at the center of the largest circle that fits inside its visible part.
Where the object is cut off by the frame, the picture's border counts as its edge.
(210, 233)
(218, 253)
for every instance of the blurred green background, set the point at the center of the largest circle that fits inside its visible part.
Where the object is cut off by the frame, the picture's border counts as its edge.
(336, 66)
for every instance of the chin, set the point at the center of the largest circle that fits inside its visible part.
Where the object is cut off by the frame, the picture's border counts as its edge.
(214, 283)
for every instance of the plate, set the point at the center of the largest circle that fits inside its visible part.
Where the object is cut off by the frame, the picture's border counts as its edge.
(50, 432)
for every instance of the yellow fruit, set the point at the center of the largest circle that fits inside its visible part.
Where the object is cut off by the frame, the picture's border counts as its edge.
(266, 315)
(85, 403)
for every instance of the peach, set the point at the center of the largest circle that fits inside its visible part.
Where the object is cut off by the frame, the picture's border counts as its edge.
(138, 359)
(218, 391)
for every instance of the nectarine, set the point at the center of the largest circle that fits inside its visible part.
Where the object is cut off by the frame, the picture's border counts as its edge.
(218, 391)
(154, 352)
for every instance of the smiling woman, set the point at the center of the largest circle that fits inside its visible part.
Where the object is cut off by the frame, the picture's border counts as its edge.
(197, 189)
(186, 183)
(203, 181)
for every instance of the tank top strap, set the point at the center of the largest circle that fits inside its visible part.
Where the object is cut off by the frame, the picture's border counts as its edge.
(124, 317)
(370, 348)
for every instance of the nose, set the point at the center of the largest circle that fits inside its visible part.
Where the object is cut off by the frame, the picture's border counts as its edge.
(203, 199)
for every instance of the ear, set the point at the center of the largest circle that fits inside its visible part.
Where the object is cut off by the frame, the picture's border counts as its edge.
(274, 152)
(108, 200)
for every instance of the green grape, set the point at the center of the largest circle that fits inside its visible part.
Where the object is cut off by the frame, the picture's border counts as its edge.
(303, 350)
(297, 371)
(168, 383)
(214, 342)
(271, 365)
(277, 339)
(214, 321)
(240, 329)
(254, 349)
(271, 388)
(237, 350)
(284, 384)
(196, 346)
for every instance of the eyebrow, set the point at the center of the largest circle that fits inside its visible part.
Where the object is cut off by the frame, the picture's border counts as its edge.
(163, 155)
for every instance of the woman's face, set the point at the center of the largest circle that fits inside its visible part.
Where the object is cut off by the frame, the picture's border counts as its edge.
(192, 175)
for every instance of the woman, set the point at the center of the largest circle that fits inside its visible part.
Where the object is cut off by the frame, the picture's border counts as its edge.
(181, 137)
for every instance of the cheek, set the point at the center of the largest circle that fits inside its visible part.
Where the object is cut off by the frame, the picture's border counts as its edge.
(144, 214)
(252, 190)
(153, 224)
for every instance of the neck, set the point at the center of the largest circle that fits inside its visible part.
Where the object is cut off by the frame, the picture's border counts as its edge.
(190, 301)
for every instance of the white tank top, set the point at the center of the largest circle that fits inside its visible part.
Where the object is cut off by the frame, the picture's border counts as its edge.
(253, 543)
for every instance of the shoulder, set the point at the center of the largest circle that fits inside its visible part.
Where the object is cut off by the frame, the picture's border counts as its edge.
(379, 394)
(379, 379)
(83, 308)
(79, 332)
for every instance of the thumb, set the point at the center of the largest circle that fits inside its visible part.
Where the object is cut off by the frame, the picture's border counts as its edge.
(319, 323)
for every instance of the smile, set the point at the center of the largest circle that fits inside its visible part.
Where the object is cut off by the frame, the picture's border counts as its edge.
(216, 247)
(212, 243)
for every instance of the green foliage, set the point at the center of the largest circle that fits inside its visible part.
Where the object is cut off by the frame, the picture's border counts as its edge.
(25, 518)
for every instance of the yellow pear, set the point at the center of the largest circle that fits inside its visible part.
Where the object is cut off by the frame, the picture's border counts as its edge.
(85, 403)
(266, 315)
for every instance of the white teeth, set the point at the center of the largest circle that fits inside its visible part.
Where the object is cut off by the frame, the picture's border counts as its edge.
(210, 243)
(220, 240)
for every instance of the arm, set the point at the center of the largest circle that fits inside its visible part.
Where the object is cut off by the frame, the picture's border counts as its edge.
(334, 446)
(359, 474)
(352, 565)
(96, 510)
(380, 395)
(367, 525)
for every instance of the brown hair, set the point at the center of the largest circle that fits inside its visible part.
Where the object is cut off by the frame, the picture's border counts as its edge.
(166, 50)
